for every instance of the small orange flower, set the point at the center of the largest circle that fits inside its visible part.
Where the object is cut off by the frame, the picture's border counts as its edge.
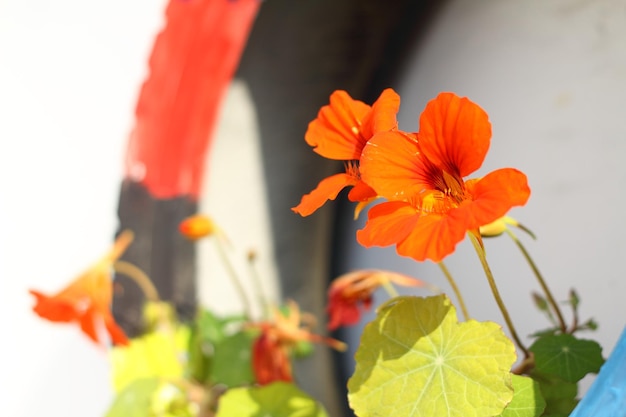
(340, 132)
(271, 351)
(197, 226)
(356, 288)
(87, 299)
(430, 206)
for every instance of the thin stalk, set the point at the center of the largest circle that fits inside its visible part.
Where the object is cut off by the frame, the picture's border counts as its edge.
(455, 288)
(141, 278)
(496, 294)
(147, 287)
(256, 280)
(542, 282)
(574, 321)
(233, 276)
(390, 289)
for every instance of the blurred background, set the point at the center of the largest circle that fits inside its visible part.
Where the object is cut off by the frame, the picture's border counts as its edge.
(551, 76)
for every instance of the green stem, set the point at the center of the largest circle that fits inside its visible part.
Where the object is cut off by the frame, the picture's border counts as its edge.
(496, 294)
(233, 276)
(542, 282)
(574, 321)
(391, 290)
(455, 288)
(256, 280)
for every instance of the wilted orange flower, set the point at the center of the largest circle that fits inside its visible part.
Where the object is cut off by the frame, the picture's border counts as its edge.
(87, 299)
(350, 290)
(197, 226)
(270, 358)
(271, 352)
(430, 206)
(340, 132)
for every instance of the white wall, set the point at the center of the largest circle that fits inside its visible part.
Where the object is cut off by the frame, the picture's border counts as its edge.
(69, 80)
(69, 76)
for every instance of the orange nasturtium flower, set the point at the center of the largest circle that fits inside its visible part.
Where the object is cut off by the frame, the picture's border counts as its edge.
(271, 352)
(352, 289)
(87, 299)
(340, 132)
(430, 206)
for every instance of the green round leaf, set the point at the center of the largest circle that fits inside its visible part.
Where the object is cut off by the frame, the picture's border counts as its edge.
(279, 399)
(232, 360)
(416, 359)
(560, 396)
(527, 400)
(567, 357)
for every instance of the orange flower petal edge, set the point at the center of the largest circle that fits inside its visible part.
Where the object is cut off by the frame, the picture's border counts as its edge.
(327, 189)
(388, 223)
(87, 299)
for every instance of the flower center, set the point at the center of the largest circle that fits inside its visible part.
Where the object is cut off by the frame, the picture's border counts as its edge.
(447, 191)
(352, 169)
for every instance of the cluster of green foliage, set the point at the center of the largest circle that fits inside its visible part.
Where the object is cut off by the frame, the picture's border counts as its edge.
(185, 370)
(414, 359)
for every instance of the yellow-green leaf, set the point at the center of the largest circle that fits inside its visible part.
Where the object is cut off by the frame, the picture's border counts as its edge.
(527, 400)
(279, 399)
(416, 359)
(135, 399)
(157, 354)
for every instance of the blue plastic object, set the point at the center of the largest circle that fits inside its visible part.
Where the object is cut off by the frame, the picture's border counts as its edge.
(607, 395)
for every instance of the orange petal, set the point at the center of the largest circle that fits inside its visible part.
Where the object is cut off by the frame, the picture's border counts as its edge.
(361, 192)
(87, 324)
(336, 132)
(392, 166)
(118, 337)
(53, 308)
(434, 236)
(387, 223)
(494, 195)
(327, 189)
(382, 117)
(454, 134)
